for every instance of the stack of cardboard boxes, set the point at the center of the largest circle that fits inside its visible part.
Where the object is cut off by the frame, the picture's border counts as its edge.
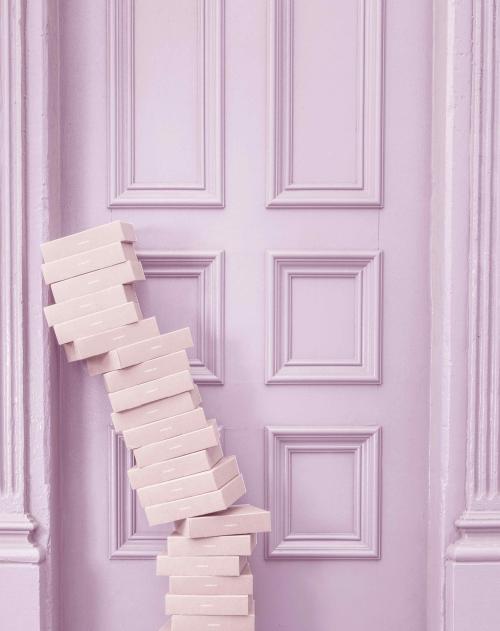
(181, 474)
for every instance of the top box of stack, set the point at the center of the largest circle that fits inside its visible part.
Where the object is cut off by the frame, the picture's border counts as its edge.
(88, 240)
(86, 262)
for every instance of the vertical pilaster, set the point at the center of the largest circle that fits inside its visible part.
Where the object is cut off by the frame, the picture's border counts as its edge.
(473, 568)
(16, 525)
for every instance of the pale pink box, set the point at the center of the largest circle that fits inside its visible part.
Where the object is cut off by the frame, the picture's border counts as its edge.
(90, 261)
(213, 623)
(178, 445)
(165, 428)
(88, 240)
(157, 410)
(97, 322)
(137, 353)
(150, 391)
(121, 274)
(84, 347)
(196, 504)
(91, 303)
(199, 566)
(220, 605)
(146, 371)
(213, 585)
(239, 519)
(242, 545)
(205, 482)
(175, 468)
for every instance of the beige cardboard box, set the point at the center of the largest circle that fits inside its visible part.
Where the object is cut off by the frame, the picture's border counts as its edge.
(146, 371)
(133, 354)
(175, 468)
(88, 240)
(150, 391)
(214, 623)
(239, 519)
(213, 585)
(89, 261)
(121, 274)
(157, 410)
(97, 322)
(91, 303)
(242, 545)
(205, 482)
(84, 347)
(178, 445)
(197, 504)
(199, 566)
(165, 428)
(220, 605)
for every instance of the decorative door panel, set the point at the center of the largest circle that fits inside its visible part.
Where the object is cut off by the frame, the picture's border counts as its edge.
(274, 158)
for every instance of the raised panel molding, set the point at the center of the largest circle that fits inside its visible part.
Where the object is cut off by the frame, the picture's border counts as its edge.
(367, 191)
(364, 442)
(124, 191)
(126, 540)
(208, 267)
(365, 270)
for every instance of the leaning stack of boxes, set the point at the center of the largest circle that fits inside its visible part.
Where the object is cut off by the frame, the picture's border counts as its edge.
(180, 473)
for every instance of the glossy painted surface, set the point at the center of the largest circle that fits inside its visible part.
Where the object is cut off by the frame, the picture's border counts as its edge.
(350, 302)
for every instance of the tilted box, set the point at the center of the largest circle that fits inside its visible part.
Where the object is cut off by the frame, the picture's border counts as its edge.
(90, 261)
(88, 240)
(197, 504)
(97, 322)
(176, 468)
(178, 445)
(146, 371)
(121, 274)
(239, 519)
(91, 303)
(133, 354)
(157, 410)
(84, 347)
(196, 484)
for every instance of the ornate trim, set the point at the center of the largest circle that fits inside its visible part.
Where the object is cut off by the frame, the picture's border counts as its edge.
(365, 445)
(367, 191)
(16, 525)
(126, 541)
(123, 191)
(208, 267)
(366, 269)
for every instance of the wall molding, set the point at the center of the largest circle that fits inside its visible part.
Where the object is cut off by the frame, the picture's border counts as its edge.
(126, 541)
(16, 525)
(209, 268)
(368, 191)
(365, 444)
(123, 190)
(366, 269)
(479, 526)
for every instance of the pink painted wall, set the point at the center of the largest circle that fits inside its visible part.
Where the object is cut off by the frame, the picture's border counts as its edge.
(278, 168)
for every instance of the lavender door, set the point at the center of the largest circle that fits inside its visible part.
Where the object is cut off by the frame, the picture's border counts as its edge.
(274, 158)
